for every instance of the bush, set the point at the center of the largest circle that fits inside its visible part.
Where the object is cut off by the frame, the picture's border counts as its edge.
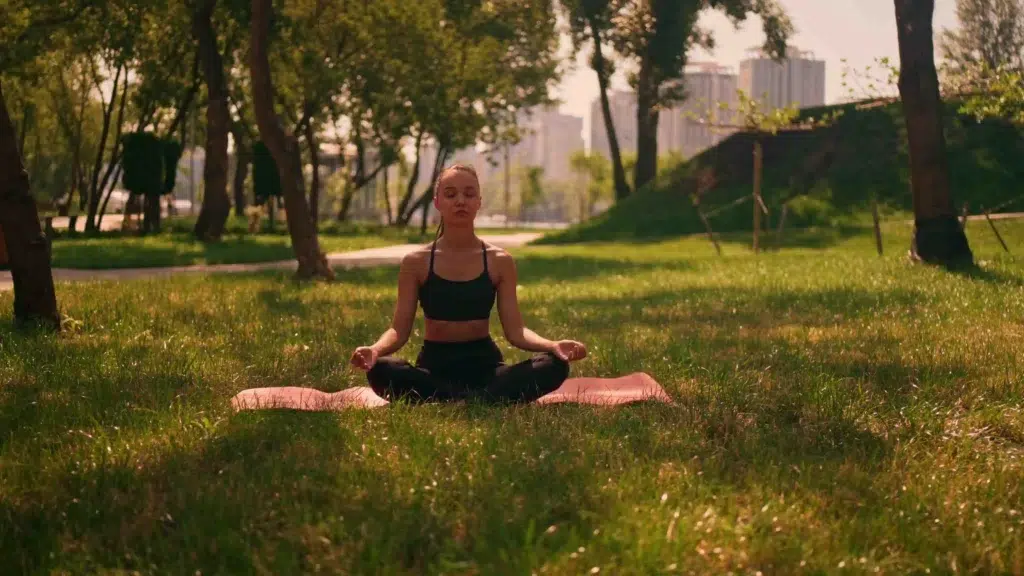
(143, 164)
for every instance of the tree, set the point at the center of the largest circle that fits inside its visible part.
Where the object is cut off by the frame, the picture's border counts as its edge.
(595, 169)
(656, 37)
(990, 36)
(26, 35)
(938, 237)
(216, 206)
(284, 148)
(591, 20)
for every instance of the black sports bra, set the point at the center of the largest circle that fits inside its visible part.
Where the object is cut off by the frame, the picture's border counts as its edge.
(457, 300)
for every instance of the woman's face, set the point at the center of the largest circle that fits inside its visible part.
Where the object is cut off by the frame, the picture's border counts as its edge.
(458, 197)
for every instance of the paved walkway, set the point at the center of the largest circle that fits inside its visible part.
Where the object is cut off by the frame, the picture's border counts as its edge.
(383, 256)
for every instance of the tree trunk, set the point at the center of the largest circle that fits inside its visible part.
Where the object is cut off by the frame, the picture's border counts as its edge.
(314, 185)
(151, 214)
(938, 238)
(285, 150)
(387, 199)
(646, 126)
(28, 249)
(618, 172)
(410, 189)
(241, 173)
(216, 206)
(243, 157)
(94, 192)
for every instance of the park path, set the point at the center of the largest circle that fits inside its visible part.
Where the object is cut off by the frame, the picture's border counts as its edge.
(382, 256)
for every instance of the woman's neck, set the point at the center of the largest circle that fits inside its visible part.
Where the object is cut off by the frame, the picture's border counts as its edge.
(459, 238)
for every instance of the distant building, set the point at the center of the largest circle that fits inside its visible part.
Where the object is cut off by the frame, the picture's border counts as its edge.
(623, 112)
(798, 80)
(549, 140)
(689, 127)
(707, 85)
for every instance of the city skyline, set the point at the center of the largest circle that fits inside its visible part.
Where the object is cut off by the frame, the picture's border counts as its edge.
(858, 31)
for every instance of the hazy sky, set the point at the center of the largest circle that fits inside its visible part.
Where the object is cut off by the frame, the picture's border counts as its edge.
(858, 30)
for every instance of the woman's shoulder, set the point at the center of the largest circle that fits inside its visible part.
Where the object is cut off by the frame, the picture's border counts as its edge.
(499, 256)
(416, 258)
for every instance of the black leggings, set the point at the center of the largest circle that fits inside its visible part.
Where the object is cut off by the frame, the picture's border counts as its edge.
(472, 370)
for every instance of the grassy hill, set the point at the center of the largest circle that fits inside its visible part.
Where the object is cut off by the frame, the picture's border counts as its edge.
(867, 157)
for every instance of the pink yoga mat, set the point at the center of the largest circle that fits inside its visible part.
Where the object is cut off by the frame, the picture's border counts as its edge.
(600, 391)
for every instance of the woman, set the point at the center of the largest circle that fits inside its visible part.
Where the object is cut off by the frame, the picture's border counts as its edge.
(456, 280)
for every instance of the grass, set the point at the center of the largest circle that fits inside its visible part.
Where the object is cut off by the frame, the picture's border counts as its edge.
(176, 246)
(835, 412)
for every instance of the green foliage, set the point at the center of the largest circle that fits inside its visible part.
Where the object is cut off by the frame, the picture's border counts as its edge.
(143, 163)
(266, 180)
(1001, 95)
(172, 155)
(870, 162)
(990, 36)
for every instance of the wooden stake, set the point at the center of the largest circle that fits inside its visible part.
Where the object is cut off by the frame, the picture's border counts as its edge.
(994, 229)
(711, 234)
(878, 226)
(782, 225)
(757, 192)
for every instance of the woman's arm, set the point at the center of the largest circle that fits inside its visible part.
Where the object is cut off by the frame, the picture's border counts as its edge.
(397, 334)
(511, 317)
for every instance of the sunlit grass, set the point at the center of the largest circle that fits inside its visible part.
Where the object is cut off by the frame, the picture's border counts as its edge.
(836, 411)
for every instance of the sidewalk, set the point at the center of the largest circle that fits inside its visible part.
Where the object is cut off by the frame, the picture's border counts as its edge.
(383, 256)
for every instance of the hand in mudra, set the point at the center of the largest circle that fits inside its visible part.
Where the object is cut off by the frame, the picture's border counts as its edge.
(364, 357)
(569, 350)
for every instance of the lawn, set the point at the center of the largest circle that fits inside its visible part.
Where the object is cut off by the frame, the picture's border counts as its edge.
(835, 411)
(176, 246)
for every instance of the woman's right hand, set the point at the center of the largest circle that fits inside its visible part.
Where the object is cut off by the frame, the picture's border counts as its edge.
(364, 357)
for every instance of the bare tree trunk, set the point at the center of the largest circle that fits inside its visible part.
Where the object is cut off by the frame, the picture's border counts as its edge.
(94, 193)
(216, 206)
(410, 188)
(387, 199)
(285, 150)
(618, 172)
(314, 185)
(27, 247)
(646, 126)
(938, 237)
(243, 157)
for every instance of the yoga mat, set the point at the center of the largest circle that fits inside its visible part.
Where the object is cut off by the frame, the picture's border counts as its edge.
(599, 391)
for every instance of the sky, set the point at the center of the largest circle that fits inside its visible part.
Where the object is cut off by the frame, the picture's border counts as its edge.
(858, 30)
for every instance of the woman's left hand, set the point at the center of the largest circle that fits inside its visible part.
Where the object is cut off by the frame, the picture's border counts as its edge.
(569, 350)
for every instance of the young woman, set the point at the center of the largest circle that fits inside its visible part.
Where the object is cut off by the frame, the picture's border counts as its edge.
(456, 279)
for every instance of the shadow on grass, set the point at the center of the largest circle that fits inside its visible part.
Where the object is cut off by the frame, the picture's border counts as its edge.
(989, 276)
(294, 493)
(532, 268)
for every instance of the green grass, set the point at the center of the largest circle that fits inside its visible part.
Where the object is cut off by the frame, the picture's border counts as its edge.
(176, 246)
(833, 409)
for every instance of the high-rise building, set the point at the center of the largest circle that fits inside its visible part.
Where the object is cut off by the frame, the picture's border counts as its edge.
(623, 111)
(680, 128)
(695, 124)
(797, 80)
(549, 140)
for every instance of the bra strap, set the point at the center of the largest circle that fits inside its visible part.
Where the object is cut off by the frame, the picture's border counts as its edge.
(484, 247)
(433, 246)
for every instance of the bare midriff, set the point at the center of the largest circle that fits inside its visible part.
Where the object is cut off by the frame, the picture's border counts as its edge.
(462, 331)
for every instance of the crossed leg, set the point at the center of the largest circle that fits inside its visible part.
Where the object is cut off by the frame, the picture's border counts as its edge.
(526, 381)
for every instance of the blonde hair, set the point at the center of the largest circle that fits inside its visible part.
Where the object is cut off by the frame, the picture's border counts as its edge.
(455, 168)
(437, 187)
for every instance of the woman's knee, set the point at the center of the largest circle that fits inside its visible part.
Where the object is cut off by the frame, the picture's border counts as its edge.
(383, 372)
(553, 367)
